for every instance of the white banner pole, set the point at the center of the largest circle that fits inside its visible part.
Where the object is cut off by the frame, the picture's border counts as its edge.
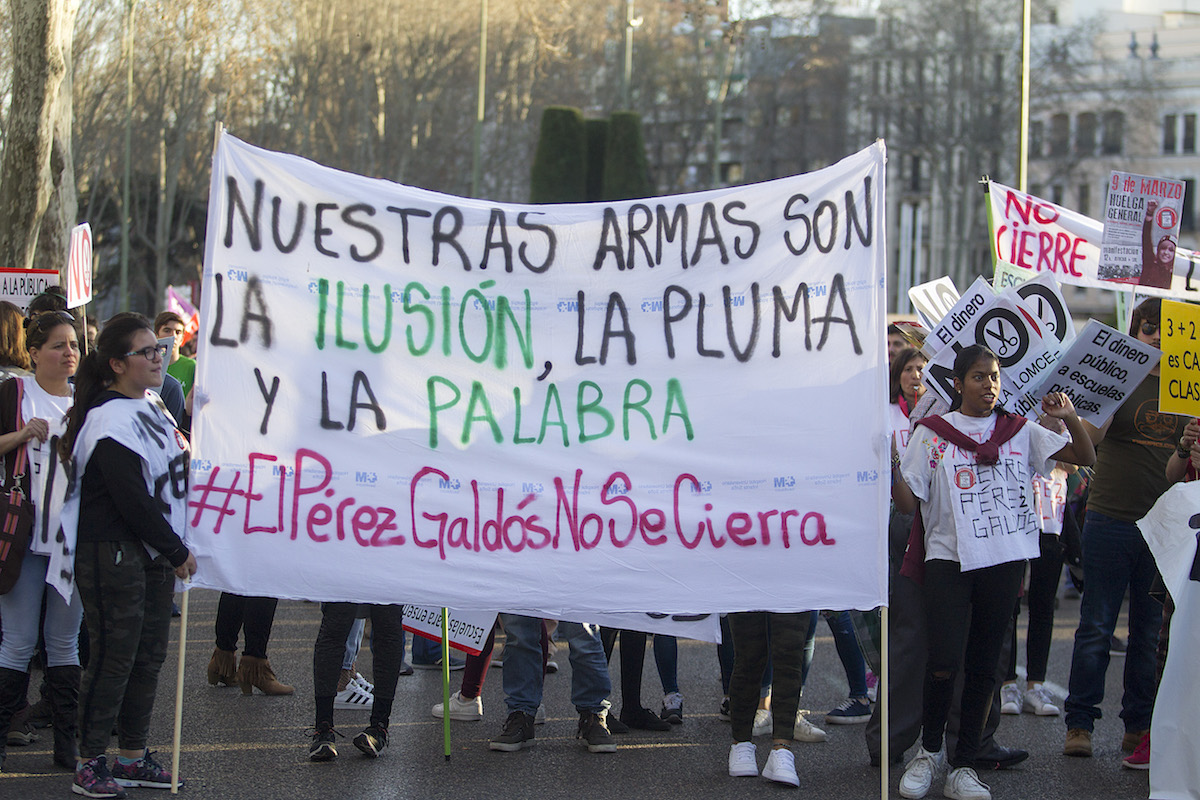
(183, 623)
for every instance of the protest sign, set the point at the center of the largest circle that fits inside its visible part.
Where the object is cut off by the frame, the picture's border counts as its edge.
(1141, 230)
(1179, 378)
(933, 300)
(1041, 296)
(1006, 276)
(79, 267)
(1039, 236)
(404, 396)
(959, 320)
(180, 305)
(468, 630)
(1099, 370)
(19, 286)
(1172, 532)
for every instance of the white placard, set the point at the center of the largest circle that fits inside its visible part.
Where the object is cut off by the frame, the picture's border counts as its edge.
(933, 300)
(1141, 229)
(79, 267)
(468, 629)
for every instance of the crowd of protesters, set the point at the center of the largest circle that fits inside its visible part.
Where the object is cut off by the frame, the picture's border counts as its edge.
(117, 533)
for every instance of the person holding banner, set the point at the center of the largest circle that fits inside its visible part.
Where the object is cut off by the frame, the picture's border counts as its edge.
(31, 419)
(124, 518)
(968, 472)
(1134, 449)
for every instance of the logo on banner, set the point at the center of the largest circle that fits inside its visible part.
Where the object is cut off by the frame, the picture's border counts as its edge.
(964, 478)
(1166, 218)
(1002, 331)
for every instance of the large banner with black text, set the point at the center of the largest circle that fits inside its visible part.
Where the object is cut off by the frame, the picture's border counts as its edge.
(672, 405)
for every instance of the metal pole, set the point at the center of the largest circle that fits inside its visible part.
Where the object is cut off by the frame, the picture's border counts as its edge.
(1023, 160)
(126, 203)
(480, 100)
(628, 73)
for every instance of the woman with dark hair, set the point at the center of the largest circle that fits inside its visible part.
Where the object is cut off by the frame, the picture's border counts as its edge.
(14, 355)
(124, 517)
(32, 411)
(970, 472)
(906, 388)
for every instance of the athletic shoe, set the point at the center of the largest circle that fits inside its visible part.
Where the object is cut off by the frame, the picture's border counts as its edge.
(372, 740)
(964, 784)
(594, 732)
(920, 772)
(551, 667)
(406, 668)
(781, 767)
(143, 772)
(999, 757)
(21, 732)
(92, 779)
(743, 761)
(1131, 740)
(353, 697)
(363, 683)
(805, 731)
(672, 708)
(1010, 699)
(615, 726)
(763, 722)
(851, 712)
(540, 717)
(323, 745)
(1039, 701)
(723, 711)
(455, 664)
(1079, 743)
(1140, 758)
(461, 708)
(872, 686)
(516, 734)
(644, 719)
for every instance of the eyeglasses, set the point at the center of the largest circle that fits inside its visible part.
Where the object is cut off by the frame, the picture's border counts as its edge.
(1149, 329)
(152, 353)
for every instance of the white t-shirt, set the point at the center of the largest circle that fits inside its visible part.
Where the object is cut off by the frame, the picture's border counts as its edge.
(979, 516)
(44, 463)
(1051, 495)
(898, 421)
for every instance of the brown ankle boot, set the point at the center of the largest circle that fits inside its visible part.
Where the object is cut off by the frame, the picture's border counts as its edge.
(257, 673)
(222, 667)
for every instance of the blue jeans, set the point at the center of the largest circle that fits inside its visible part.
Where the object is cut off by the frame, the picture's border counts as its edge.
(21, 612)
(844, 638)
(1115, 557)
(354, 643)
(590, 684)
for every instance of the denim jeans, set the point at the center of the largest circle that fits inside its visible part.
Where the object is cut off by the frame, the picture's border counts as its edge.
(354, 643)
(1115, 557)
(523, 674)
(21, 612)
(846, 642)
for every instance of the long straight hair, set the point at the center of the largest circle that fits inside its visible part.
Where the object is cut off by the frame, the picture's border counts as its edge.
(95, 373)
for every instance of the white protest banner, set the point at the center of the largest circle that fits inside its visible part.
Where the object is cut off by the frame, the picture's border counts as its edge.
(933, 300)
(1099, 370)
(19, 286)
(79, 267)
(1141, 230)
(1171, 532)
(1179, 378)
(468, 630)
(406, 396)
(1036, 235)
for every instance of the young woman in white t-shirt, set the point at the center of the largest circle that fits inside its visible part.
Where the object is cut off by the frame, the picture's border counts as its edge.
(981, 525)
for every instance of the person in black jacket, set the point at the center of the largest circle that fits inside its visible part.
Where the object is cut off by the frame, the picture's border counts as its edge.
(125, 509)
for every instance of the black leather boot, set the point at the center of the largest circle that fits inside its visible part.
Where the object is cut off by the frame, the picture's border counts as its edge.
(62, 687)
(14, 686)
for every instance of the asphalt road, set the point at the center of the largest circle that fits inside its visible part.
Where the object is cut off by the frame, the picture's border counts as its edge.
(255, 747)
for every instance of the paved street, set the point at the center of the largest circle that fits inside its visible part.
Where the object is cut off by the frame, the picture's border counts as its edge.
(238, 747)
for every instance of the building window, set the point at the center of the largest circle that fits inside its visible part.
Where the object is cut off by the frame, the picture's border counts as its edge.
(1187, 215)
(914, 177)
(1169, 134)
(1085, 135)
(1082, 204)
(1056, 194)
(1114, 133)
(1037, 132)
(1189, 133)
(1060, 134)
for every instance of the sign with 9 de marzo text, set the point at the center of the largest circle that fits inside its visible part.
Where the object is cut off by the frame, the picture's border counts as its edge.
(411, 397)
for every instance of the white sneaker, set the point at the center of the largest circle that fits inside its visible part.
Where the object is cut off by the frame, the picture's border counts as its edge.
(1010, 699)
(920, 772)
(762, 722)
(743, 760)
(781, 767)
(805, 731)
(1040, 701)
(461, 708)
(363, 683)
(352, 697)
(964, 784)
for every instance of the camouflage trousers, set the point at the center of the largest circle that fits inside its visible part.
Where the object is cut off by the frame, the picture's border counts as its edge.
(127, 608)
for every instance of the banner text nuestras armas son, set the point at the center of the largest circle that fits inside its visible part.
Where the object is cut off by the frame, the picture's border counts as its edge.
(673, 404)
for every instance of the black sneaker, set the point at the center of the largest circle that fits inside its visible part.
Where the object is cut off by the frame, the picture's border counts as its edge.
(516, 734)
(322, 747)
(672, 709)
(724, 712)
(644, 719)
(593, 731)
(372, 740)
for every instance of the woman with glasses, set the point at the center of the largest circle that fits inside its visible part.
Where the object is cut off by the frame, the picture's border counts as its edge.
(32, 416)
(124, 517)
(1132, 452)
